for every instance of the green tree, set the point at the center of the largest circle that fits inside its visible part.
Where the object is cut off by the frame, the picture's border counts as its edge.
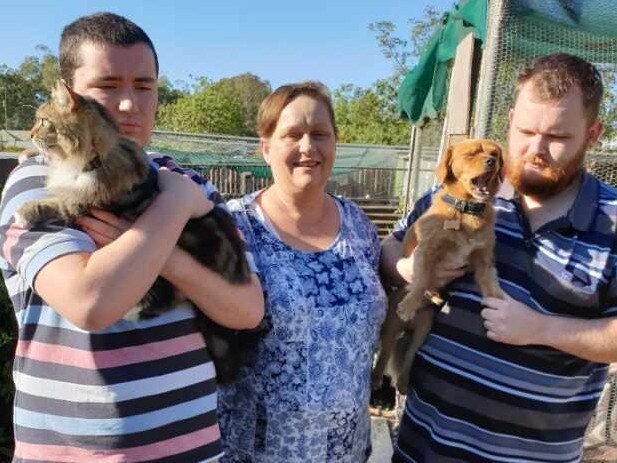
(212, 110)
(250, 91)
(24, 88)
(371, 115)
(167, 92)
(18, 100)
(404, 53)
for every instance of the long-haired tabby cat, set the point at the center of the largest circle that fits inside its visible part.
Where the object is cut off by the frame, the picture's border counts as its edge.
(92, 166)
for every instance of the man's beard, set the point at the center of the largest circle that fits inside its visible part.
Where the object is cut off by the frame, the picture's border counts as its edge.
(549, 180)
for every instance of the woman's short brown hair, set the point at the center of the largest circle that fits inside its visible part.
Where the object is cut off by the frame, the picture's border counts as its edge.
(271, 108)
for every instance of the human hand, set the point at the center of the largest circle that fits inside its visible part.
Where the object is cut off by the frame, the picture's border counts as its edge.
(103, 227)
(186, 192)
(510, 321)
(442, 274)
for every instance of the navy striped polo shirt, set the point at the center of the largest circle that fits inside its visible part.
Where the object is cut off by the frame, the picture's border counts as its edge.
(476, 400)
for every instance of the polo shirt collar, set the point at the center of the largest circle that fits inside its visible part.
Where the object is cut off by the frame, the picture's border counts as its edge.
(583, 210)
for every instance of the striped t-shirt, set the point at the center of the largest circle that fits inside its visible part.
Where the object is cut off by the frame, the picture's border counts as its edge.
(476, 400)
(136, 391)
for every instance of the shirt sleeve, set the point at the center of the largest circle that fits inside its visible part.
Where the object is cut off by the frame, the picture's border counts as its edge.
(209, 190)
(27, 251)
(170, 163)
(240, 215)
(419, 208)
(370, 231)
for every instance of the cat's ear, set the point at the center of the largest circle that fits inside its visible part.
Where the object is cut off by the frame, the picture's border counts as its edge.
(65, 97)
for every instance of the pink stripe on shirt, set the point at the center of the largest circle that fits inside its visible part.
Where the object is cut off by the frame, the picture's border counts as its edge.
(165, 448)
(12, 236)
(92, 360)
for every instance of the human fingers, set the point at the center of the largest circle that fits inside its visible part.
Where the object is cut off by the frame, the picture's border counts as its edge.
(489, 314)
(99, 238)
(111, 219)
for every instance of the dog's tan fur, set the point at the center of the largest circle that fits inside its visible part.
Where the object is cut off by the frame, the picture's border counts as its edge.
(441, 234)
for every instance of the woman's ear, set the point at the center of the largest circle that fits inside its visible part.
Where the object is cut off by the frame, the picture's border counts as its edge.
(444, 172)
(264, 146)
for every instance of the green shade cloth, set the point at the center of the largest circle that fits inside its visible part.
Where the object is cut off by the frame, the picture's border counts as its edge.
(423, 91)
(596, 17)
(585, 28)
(348, 159)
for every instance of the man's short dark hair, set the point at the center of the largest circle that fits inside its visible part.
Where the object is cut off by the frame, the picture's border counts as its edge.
(553, 76)
(98, 28)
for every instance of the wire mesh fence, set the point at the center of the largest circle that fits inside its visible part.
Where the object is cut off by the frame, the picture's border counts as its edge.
(521, 30)
(236, 167)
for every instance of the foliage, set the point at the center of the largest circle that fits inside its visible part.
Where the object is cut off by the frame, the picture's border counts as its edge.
(168, 93)
(227, 106)
(404, 53)
(370, 115)
(24, 88)
(608, 109)
(250, 91)
(10, 148)
(212, 110)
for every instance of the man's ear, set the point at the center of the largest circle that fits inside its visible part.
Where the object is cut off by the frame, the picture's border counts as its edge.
(264, 146)
(594, 133)
(444, 172)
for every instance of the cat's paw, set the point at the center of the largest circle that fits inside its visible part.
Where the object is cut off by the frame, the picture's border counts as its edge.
(25, 217)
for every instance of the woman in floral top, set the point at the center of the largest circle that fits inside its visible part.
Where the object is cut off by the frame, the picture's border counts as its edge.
(305, 396)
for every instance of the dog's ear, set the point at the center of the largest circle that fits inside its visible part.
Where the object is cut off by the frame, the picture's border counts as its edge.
(444, 172)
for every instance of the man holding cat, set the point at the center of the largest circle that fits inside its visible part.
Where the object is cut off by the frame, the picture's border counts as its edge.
(518, 379)
(90, 385)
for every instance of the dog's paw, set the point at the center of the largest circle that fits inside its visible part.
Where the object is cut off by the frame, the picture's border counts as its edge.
(402, 384)
(404, 313)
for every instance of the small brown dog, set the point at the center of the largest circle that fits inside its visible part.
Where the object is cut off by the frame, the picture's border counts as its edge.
(458, 228)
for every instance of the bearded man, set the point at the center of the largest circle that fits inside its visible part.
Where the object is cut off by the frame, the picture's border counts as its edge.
(517, 379)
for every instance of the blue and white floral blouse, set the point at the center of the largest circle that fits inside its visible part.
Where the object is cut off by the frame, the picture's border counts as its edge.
(305, 397)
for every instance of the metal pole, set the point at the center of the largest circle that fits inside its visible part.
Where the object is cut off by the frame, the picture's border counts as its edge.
(410, 164)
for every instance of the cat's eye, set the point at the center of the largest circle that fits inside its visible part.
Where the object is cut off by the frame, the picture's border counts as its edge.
(45, 123)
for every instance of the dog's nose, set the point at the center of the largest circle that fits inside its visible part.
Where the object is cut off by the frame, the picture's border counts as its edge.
(490, 162)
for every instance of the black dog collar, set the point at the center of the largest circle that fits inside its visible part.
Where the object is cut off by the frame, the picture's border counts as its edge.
(464, 207)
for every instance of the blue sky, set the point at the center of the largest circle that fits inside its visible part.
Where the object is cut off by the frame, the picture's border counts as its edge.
(280, 41)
